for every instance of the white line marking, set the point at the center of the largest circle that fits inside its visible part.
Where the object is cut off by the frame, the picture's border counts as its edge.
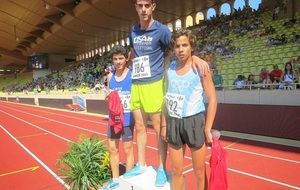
(67, 124)
(37, 127)
(38, 160)
(251, 175)
(263, 155)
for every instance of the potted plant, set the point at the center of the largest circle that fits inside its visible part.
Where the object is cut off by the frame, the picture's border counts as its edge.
(86, 165)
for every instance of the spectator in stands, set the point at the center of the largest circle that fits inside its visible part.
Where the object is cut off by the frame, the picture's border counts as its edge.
(293, 37)
(270, 82)
(97, 87)
(120, 81)
(227, 54)
(263, 75)
(284, 39)
(254, 34)
(270, 30)
(290, 23)
(250, 82)
(83, 88)
(269, 41)
(276, 12)
(276, 72)
(239, 82)
(279, 40)
(284, 6)
(288, 77)
(208, 56)
(217, 80)
(296, 65)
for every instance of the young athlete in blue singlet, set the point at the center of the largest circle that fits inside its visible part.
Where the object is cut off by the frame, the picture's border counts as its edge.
(120, 81)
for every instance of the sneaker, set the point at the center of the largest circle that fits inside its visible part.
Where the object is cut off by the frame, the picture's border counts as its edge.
(161, 177)
(112, 184)
(136, 170)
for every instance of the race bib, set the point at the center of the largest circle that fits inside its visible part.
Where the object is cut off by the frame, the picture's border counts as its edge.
(125, 100)
(175, 104)
(141, 67)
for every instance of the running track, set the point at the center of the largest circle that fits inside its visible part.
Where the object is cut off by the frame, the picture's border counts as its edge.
(32, 138)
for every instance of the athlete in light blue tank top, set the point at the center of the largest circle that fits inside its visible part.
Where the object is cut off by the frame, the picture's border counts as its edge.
(185, 93)
(123, 88)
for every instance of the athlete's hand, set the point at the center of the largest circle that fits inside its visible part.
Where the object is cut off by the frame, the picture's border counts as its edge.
(208, 138)
(200, 65)
(163, 133)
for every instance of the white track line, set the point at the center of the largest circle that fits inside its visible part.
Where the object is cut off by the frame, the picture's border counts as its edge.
(53, 120)
(263, 155)
(38, 160)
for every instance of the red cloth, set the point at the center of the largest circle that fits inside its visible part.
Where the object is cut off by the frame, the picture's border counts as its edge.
(218, 163)
(116, 110)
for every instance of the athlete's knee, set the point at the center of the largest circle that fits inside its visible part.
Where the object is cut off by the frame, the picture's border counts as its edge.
(200, 173)
(113, 150)
(177, 171)
(139, 126)
(128, 150)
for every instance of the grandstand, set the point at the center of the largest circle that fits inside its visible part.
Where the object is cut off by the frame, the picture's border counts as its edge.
(253, 55)
(256, 54)
(266, 113)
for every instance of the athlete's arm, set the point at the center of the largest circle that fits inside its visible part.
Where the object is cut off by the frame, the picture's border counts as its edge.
(209, 89)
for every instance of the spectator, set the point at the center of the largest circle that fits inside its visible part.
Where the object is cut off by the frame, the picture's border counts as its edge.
(293, 37)
(276, 12)
(263, 75)
(288, 76)
(296, 65)
(284, 5)
(217, 80)
(270, 82)
(276, 72)
(269, 41)
(239, 82)
(250, 82)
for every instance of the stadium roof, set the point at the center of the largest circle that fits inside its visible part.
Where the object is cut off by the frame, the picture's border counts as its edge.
(73, 27)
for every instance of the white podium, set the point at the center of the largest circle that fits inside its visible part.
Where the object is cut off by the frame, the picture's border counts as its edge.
(145, 181)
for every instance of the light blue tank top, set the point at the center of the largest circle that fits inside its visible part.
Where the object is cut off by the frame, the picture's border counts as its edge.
(190, 91)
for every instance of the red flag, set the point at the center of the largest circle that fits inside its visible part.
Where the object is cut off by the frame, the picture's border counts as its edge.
(218, 163)
(116, 110)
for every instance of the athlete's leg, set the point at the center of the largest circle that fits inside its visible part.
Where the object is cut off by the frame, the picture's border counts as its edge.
(140, 119)
(113, 147)
(198, 157)
(128, 150)
(161, 145)
(176, 156)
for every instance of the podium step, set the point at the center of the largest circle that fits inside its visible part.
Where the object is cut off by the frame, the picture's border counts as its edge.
(144, 181)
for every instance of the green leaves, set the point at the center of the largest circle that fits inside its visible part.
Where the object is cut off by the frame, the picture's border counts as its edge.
(86, 164)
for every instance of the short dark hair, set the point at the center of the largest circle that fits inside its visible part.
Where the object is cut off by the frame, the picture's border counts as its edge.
(118, 49)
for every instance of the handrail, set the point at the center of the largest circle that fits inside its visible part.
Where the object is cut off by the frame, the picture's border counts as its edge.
(255, 86)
